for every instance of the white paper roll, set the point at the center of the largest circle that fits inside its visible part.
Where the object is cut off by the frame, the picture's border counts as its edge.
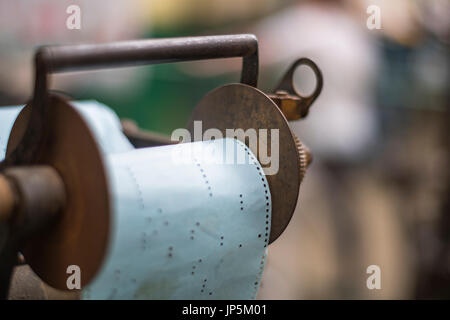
(7, 117)
(190, 221)
(104, 123)
(185, 229)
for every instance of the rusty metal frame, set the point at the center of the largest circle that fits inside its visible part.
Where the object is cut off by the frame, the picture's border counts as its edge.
(56, 59)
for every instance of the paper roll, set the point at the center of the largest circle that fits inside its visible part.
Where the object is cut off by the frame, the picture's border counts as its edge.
(104, 123)
(185, 229)
(189, 221)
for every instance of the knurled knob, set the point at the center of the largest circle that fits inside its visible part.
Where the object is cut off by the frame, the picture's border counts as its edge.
(305, 157)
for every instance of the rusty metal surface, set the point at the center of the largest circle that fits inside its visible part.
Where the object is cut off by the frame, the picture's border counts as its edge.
(141, 138)
(155, 51)
(36, 195)
(81, 233)
(236, 106)
(293, 104)
(40, 195)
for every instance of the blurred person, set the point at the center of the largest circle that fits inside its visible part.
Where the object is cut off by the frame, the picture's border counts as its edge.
(342, 131)
(345, 220)
(342, 123)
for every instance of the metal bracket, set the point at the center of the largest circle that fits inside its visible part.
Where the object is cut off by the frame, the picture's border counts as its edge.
(293, 104)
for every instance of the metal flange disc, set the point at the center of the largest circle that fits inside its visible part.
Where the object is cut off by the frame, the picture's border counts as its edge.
(80, 235)
(239, 106)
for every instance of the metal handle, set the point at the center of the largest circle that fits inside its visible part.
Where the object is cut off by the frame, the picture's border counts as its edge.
(287, 83)
(151, 51)
(53, 59)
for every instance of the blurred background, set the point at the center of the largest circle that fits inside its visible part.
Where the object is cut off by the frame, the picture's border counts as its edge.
(377, 192)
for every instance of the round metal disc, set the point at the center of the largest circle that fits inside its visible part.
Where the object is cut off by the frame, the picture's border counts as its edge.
(80, 235)
(238, 106)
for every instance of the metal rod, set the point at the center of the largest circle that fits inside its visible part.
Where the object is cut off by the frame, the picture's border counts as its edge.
(154, 51)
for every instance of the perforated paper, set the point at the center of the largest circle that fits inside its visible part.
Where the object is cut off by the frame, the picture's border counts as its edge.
(194, 230)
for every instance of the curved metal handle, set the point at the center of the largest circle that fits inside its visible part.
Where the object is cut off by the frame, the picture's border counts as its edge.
(151, 51)
(292, 103)
(53, 59)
